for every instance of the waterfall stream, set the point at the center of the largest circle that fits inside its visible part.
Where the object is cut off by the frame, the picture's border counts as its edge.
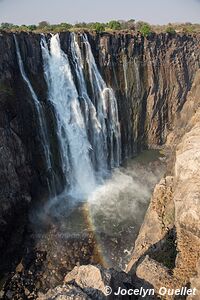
(93, 125)
(71, 130)
(125, 67)
(41, 120)
(88, 128)
(107, 110)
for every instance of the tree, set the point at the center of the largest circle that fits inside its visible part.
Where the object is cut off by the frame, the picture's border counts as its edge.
(99, 27)
(115, 25)
(145, 29)
(32, 27)
(7, 26)
(23, 28)
(170, 30)
(81, 25)
(131, 24)
(43, 24)
(65, 26)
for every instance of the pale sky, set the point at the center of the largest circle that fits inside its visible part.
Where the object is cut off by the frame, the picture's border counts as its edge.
(153, 11)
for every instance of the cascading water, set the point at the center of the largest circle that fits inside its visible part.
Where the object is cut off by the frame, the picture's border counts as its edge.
(137, 75)
(74, 145)
(125, 67)
(41, 119)
(96, 133)
(107, 111)
(88, 129)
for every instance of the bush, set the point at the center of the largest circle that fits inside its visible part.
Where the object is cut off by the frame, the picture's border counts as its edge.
(145, 29)
(81, 25)
(99, 27)
(131, 24)
(189, 29)
(66, 26)
(7, 26)
(23, 28)
(32, 27)
(43, 24)
(115, 25)
(170, 30)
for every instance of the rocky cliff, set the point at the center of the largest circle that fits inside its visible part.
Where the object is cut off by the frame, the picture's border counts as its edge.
(170, 233)
(151, 78)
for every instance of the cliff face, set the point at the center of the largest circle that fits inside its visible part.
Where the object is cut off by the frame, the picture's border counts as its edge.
(23, 170)
(151, 79)
(171, 226)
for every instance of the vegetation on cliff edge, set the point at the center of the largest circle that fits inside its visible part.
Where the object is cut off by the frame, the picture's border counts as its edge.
(114, 25)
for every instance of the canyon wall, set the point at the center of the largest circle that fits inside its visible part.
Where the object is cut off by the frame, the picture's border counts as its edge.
(167, 250)
(169, 237)
(150, 77)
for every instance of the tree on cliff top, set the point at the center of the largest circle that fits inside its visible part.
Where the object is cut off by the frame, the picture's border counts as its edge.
(6, 26)
(145, 29)
(115, 25)
(170, 30)
(43, 24)
(99, 27)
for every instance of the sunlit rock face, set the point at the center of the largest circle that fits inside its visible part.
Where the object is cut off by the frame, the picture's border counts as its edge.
(150, 79)
(170, 231)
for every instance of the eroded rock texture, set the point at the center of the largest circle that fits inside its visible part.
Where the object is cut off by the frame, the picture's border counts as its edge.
(151, 78)
(179, 200)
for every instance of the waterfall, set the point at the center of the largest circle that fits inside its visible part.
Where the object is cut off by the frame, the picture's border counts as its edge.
(137, 75)
(87, 125)
(125, 67)
(41, 119)
(74, 145)
(93, 125)
(107, 110)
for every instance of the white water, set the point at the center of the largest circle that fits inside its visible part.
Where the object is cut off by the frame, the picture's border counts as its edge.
(88, 128)
(74, 145)
(125, 67)
(107, 111)
(93, 125)
(38, 107)
(137, 74)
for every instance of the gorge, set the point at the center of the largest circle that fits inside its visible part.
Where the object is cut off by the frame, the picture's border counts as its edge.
(74, 108)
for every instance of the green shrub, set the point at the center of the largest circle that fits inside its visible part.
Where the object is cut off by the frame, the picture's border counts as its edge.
(115, 25)
(32, 27)
(65, 26)
(145, 29)
(170, 30)
(99, 27)
(81, 25)
(8, 26)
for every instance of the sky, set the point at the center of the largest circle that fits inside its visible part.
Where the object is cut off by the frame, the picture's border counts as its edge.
(72, 11)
